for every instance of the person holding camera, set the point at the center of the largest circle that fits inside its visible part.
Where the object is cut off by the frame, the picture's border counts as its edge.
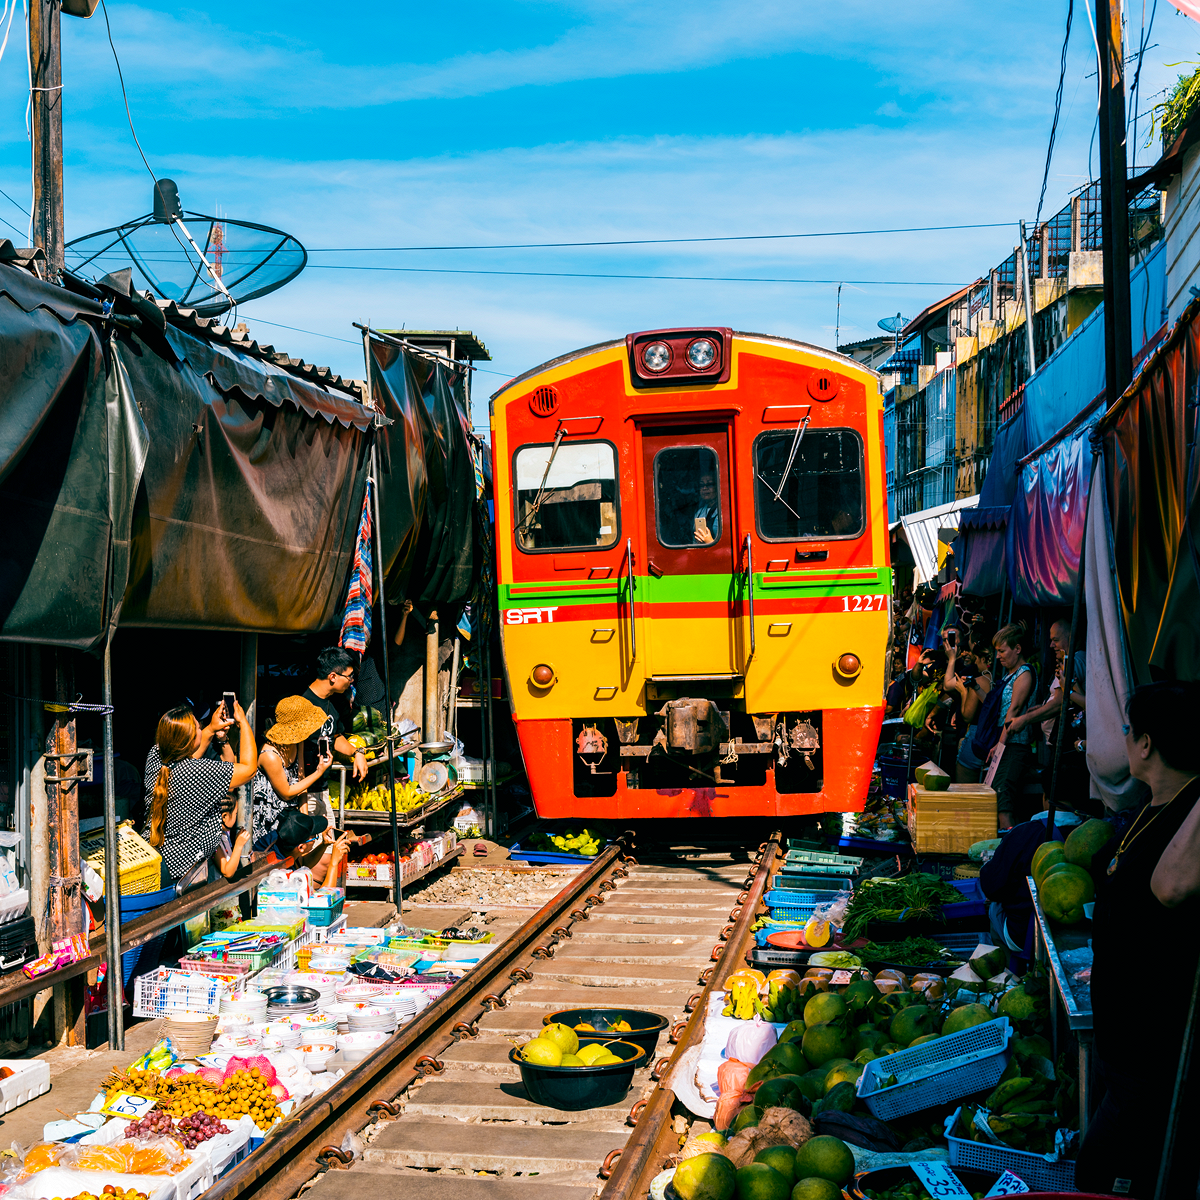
(280, 777)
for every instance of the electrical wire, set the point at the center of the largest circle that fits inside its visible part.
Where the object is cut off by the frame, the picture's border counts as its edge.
(13, 227)
(748, 237)
(124, 94)
(13, 202)
(9, 11)
(1058, 96)
(1134, 91)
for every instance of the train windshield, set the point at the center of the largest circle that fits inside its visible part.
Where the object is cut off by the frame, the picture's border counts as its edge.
(687, 496)
(571, 505)
(822, 495)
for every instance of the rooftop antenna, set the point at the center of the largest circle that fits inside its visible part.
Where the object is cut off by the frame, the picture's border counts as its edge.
(893, 325)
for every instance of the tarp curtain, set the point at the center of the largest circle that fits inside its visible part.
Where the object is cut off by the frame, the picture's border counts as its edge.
(1152, 466)
(979, 550)
(71, 453)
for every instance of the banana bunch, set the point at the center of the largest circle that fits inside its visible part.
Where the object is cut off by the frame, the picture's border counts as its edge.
(583, 843)
(378, 798)
(743, 1001)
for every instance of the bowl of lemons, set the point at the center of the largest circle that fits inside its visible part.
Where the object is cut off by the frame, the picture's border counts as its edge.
(559, 1071)
(601, 1024)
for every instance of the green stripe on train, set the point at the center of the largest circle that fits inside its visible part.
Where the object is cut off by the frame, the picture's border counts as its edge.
(682, 589)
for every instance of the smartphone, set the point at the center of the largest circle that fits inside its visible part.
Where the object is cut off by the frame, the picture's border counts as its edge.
(952, 637)
(229, 703)
(324, 746)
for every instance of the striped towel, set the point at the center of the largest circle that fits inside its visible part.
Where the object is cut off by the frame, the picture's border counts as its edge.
(356, 622)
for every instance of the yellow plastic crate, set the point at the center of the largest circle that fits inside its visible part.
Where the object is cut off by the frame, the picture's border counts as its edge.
(139, 865)
(951, 822)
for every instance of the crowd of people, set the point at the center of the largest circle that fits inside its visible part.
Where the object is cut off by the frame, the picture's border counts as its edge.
(193, 771)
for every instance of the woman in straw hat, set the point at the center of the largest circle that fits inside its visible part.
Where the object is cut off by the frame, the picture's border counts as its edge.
(280, 780)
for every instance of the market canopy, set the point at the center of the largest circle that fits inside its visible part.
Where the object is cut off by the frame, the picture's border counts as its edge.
(929, 534)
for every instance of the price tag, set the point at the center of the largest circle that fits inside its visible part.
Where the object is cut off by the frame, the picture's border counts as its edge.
(840, 978)
(940, 1181)
(126, 1104)
(1008, 1185)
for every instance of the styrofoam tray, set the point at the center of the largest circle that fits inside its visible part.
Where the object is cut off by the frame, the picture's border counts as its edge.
(31, 1079)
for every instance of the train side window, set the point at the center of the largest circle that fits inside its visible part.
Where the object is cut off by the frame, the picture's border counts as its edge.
(687, 496)
(573, 505)
(823, 494)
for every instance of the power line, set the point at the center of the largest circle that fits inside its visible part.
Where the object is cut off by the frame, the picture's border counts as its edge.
(124, 95)
(1058, 95)
(23, 232)
(748, 237)
(12, 201)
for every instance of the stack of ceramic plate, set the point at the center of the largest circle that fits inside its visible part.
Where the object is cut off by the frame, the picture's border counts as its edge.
(288, 1001)
(354, 991)
(356, 1046)
(324, 985)
(333, 959)
(250, 1002)
(402, 1003)
(317, 1049)
(191, 1033)
(366, 1018)
(317, 1022)
(289, 1034)
(241, 1039)
(340, 1012)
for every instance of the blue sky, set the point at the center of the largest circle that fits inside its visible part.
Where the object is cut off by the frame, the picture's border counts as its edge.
(531, 122)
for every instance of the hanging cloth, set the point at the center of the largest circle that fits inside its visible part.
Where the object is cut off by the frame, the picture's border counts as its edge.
(356, 621)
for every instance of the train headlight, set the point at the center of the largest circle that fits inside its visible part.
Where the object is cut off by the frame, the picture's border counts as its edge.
(656, 357)
(848, 666)
(542, 676)
(701, 354)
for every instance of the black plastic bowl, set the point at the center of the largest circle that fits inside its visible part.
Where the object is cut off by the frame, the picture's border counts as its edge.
(887, 1177)
(644, 1026)
(572, 1089)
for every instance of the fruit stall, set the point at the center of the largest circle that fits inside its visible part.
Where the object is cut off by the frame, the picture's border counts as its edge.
(877, 1046)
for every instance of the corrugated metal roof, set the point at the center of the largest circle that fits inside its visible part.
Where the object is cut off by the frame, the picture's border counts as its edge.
(920, 530)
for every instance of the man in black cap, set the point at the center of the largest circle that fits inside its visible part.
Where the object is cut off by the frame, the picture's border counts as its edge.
(306, 840)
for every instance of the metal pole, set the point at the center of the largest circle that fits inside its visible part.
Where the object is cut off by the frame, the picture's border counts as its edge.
(45, 78)
(373, 484)
(1114, 202)
(112, 871)
(248, 695)
(1028, 302)
(432, 709)
(452, 702)
(489, 766)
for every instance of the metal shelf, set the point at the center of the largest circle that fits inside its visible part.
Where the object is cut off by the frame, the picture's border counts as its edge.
(389, 884)
(370, 817)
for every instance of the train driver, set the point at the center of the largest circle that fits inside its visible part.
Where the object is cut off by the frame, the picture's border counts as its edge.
(707, 518)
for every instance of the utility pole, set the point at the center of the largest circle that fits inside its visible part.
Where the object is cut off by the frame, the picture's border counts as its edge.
(45, 66)
(1114, 203)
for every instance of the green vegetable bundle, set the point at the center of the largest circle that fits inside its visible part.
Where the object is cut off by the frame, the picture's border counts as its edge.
(907, 898)
(911, 952)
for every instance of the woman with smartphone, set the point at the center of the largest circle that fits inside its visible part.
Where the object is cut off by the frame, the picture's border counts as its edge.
(280, 781)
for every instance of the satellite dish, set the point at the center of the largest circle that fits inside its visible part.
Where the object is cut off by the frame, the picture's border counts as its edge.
(207, 263)
(893, 324)
(939, 337)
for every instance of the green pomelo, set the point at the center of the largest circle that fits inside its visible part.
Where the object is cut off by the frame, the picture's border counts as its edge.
(966, 1016)
(563, 1036)
(833, 1064)
(717, 1139)
(825, 1157)
(705, 1177)
(781, 1159)
(542, 1053)
(1018, 1005)
(911, 1023)
(823, 1042)
(823, 1008)
(1086, 841)
(784, 1091)
(1064, 890)
(757, 1181)
(1044, 857)
(865, 1056)
(843, 1074)
(928, 1037)
(784, 1058)
(890, 1048)
(816, 1188)
(1033, 1047)
(812, 1083)
(745, 1119)
(859, 994)
(794, 1032)
(839, 1098)
(872, 1039)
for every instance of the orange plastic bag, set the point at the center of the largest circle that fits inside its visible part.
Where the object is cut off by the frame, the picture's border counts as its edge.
(162, 1156)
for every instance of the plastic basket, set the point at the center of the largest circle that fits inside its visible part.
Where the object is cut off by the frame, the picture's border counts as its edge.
(163, 992)
(139, 865)
(319, 917)
(802, 883)
(1036, 1170)
(791, 906)
(934, 1073)
(825, 858)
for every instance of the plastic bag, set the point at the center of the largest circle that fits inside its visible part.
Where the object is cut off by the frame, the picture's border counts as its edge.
(835, 911)
(38, 1157)
(160, 1156)
(159, 1057)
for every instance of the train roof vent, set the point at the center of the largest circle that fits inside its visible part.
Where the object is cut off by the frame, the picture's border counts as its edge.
(823, 385)
(544, 402)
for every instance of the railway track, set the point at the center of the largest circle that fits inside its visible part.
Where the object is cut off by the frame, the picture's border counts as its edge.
(440, 1109)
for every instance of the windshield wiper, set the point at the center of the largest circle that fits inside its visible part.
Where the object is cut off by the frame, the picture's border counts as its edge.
(539, 499)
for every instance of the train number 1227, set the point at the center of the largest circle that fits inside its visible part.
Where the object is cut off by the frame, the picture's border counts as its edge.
(863, 603)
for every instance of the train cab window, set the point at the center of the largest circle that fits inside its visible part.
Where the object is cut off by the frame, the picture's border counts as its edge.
(566, 499)
(822, 495)
(687, 496)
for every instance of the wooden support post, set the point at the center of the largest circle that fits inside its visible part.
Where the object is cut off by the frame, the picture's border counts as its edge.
(45, 66)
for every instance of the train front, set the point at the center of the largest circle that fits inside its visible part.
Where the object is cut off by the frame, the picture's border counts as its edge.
(693, 575)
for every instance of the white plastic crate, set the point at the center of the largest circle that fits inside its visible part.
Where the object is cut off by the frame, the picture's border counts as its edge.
(164, 991)
(31, 1078)
(949, 1068)
(1036, 1170)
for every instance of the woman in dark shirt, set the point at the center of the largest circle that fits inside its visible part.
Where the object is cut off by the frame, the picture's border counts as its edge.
(186, 792)
(1139, 1038)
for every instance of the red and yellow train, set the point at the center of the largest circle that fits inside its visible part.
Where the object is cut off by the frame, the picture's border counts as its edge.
(693, 572)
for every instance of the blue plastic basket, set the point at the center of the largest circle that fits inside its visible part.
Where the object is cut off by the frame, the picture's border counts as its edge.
(957, 1065)
(546, 857)
(1039, 1172)
(814, 884)
(974, 902)
(146, 954)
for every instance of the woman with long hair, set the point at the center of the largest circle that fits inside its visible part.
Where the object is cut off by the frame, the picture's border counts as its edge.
(186, 792)
(280, 781)
(1013, 746)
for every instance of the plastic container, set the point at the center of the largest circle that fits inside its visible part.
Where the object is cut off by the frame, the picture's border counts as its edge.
(645, 1031)
(827, 889)
(824, 862)
(951, 822)
(974, 902)
(819, 883)
(139, 865)
(320, 917)
(163, 992)
(30, 1079)
(792, 905)
(1035, 1169)
(874, 846)
(937, 1072)
(572, 1089)
(133, 906)
(883, 1178)
(547, 857)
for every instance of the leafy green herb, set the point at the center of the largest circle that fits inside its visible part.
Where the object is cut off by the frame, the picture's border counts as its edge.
(912, 952)
(909, 898)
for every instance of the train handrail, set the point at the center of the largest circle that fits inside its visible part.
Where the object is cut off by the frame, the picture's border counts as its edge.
(750, 597)
(632, 622)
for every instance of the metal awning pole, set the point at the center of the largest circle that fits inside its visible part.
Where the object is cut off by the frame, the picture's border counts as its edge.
(112, 871)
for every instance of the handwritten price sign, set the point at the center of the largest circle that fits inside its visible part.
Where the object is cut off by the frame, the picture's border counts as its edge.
(126, 1104)
(1008, 1185)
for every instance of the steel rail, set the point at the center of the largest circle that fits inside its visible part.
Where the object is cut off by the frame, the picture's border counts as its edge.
(292, 1152)
(654, 1137)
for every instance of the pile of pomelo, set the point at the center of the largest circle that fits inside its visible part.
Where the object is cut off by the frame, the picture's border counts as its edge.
(816, 1170)
(558, 1046)
(1063, 871)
